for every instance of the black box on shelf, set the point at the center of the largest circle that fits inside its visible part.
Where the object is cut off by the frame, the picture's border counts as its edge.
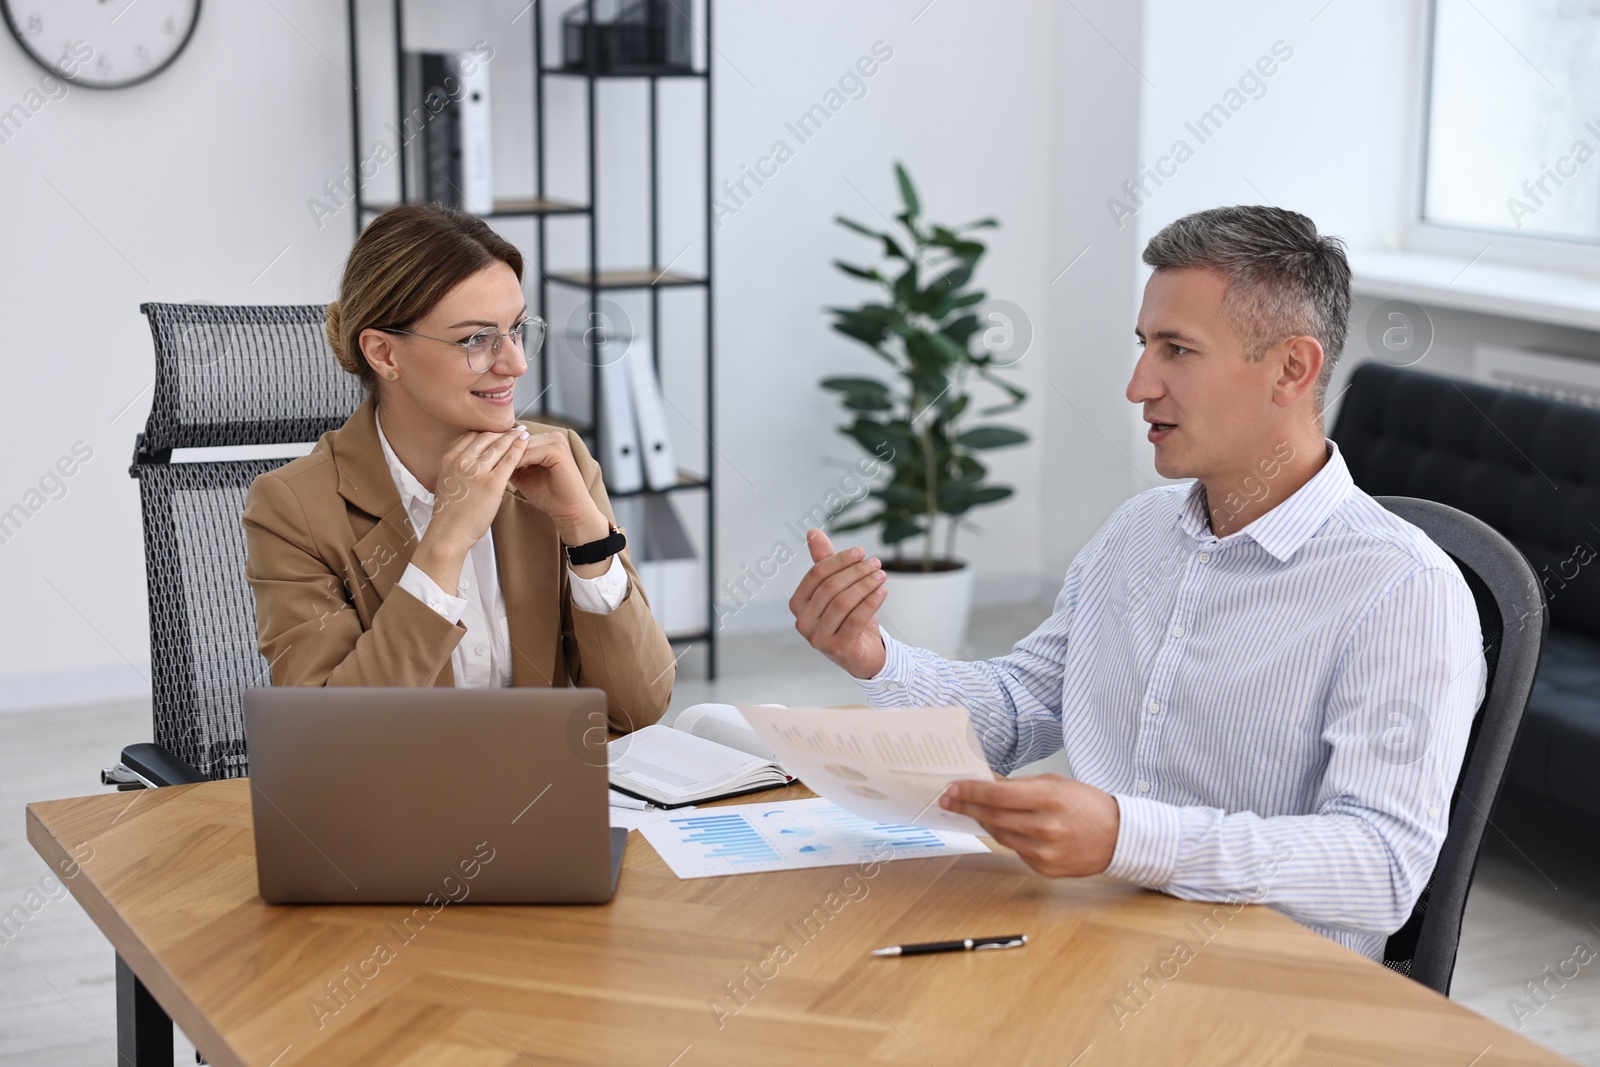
(446, 127)
(627, 35)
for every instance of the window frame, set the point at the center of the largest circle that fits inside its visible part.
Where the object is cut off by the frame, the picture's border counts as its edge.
(1564, 254)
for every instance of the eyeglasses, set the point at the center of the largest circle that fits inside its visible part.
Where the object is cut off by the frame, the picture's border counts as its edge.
(483, 347)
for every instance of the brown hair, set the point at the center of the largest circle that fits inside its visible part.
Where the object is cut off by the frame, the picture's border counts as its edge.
(402, 265)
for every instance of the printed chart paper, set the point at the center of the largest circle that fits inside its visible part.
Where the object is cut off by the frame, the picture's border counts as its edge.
(888, 764)
(787, 836)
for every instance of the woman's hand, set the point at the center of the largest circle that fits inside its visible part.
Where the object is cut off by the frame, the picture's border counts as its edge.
(467, 496)
(548, 475)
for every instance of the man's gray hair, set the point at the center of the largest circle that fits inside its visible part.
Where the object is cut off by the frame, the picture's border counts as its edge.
(1284, 279)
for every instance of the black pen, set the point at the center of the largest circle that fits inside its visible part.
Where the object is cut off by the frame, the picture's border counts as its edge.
(971, 944)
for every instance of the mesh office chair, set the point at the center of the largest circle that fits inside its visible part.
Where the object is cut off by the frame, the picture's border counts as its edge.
(1511, 613)
(225, 376)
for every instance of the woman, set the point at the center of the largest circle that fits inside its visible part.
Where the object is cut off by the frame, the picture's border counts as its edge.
(433, 539)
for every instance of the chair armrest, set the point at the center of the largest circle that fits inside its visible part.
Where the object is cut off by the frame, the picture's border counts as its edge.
(152, 766)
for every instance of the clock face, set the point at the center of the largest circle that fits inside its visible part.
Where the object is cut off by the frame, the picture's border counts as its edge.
(102, 44)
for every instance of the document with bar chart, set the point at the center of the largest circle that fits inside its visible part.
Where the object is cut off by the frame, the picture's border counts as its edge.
(888, 764)
(787, 836)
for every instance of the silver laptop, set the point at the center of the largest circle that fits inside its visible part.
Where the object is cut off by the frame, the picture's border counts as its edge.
(409, 796)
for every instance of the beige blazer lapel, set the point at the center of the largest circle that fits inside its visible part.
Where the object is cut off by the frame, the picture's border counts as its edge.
(384, 549)
(527, 559)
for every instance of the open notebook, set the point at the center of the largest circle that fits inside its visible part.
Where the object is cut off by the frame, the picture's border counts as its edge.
(709, 752)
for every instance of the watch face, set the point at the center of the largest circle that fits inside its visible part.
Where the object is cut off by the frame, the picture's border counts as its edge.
(102, 44)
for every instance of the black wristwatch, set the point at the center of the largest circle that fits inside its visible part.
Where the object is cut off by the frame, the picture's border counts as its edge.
(595, 551)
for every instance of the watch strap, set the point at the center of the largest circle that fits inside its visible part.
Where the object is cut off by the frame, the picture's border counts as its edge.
(595, 551)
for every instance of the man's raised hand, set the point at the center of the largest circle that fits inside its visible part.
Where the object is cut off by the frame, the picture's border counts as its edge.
(836, 605)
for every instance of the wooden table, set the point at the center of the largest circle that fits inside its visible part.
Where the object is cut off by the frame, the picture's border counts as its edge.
(684, 973)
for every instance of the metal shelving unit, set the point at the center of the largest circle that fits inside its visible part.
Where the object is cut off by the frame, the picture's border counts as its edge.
(540, 208)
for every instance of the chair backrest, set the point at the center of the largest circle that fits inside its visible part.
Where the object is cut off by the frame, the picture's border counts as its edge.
(1528, 466)
(1512, 616)
(225, 376)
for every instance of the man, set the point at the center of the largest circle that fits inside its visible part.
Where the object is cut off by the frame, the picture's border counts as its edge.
(1263, 680)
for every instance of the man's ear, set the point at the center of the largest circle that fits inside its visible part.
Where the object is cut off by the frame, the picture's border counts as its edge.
(1300, 363)
(377, 349)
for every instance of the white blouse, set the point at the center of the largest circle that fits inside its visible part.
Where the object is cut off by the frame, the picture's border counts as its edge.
(482, 659)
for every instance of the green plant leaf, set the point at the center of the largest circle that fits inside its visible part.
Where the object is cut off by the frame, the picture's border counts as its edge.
(949, 351)
(959, 497)
(907, 193)
(984, 223)
(869, 434)
(855, 385)
(905, 286)
(951, 406)
(866, 402)
(870, 275)
(890, 441)
(869, 324)
(991, 437)
(961, 330)
(851, 224)
(895, 495)
(898, 528)
(969, 469)
(1010, 390)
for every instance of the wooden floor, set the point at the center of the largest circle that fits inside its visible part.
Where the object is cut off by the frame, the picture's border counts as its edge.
(1536, 897)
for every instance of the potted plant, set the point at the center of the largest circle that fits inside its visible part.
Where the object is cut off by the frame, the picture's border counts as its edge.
(924, 325)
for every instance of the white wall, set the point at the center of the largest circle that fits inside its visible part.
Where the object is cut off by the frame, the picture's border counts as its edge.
(1331, 133)
(965, 103)
(1088, 466)
(195, 185)
(191, 186)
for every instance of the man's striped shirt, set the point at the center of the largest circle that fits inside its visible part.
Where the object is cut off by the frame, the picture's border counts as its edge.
(1280, 713)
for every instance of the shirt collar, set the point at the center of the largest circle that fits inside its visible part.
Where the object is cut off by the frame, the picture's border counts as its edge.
(1291, 523)
(411, 491)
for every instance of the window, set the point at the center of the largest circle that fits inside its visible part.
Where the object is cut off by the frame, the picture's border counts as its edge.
(1513, 119)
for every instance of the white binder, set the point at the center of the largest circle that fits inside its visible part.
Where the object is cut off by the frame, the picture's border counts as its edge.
(655, 443)
(672, 576)
(619, 434)
(477, 169)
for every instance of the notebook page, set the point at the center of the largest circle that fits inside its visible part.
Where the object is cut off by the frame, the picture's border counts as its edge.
(677, 763)
(724, 724)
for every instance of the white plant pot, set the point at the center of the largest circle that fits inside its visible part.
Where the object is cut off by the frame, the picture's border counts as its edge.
(929, 609)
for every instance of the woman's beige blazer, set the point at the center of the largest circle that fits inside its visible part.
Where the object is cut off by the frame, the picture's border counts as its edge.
(328, 540)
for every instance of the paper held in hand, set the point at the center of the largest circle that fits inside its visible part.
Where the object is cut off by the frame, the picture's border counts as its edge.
(885, 764)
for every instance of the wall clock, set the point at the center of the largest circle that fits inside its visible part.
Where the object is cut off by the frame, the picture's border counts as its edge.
(102, 44)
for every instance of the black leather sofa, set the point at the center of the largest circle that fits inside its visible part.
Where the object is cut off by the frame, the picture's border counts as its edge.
(1529, 467)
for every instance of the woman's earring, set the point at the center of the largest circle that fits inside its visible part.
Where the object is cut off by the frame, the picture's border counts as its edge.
(391, 376)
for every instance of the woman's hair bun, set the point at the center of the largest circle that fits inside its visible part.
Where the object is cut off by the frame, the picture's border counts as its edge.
(336, 340)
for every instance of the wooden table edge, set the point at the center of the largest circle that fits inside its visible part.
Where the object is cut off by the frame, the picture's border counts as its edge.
(144, 963)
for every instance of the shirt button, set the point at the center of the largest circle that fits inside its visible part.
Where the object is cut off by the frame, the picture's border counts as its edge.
(1154, 708)
(466, 583)
(1144, 786)
(439, 608)
(1204, 557)
(1433, 811)
(1177, 631)
(480, 649)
